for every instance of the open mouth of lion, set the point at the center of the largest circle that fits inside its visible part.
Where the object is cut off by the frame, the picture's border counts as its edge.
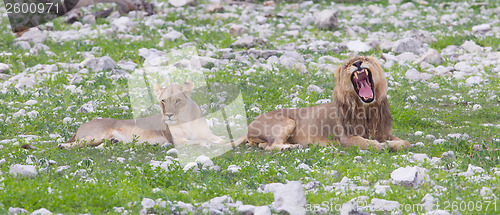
(363, 84)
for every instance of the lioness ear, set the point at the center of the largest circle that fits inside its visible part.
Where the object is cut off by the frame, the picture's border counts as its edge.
(187, 86)
(157, 89)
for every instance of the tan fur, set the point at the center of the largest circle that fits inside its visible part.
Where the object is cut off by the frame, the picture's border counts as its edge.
(93, 133)
(347, 120)
(181, 120)
(183, 115)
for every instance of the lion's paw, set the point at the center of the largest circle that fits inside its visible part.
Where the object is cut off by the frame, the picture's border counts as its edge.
(397, 145)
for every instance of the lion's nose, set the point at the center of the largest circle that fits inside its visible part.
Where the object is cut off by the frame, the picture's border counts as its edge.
(169, 115)
(358, 63)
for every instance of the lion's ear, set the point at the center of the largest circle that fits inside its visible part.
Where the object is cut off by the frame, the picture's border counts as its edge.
(157, 89)
(187, 86)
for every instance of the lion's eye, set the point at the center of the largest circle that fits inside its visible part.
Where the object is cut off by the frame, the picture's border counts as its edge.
(163, 101)
(178, 101)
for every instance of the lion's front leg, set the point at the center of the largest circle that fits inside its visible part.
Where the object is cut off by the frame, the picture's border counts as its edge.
(396, 144)
(271, 131)
(362, 143)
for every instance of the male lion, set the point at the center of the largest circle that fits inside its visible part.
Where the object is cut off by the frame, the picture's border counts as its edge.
(359, 115)
(181, 120)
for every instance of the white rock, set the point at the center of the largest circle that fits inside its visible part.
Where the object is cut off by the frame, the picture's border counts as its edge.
(34, 35)
(428, 202)
(23, 170)
(191, 165)
(246, 209)
(4, 67)
(327, 19)
(471, 47)
(481, 29)
(290, 59)
(217, 205)
(121, 24)
(374, 9)
(18, 211)
(407, 45)
(486, 192)
(67, 120)
(474, 80)
(413, 74)
(233, 168)
(89, 19)
(395, 1)
(62, 168)
(41, 211)
(147, 203)
(421, 157)
(314, 88)
(260, 20)
(288, 197)
(204, 161)
(262, 210)
(30, 102)
(173, 152)
(187, 207)
(358, 46)
(245, 42)
(181, 3)
(23, 45)
(100, 64)
(237, 30)
(409, 176)
(471, 171)
(407, 57)
(304, 167)
(477, 107)
(307, 20)
(293, 33)
(152, 57)
(127, 65)
(354, 206)
(430, 137)
(384, 205)
(438, 141)
(448, 155)
(431, 56)
(173, 35)
(381, 189)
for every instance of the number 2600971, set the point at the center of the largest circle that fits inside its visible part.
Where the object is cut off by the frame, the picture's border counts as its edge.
(30, 8)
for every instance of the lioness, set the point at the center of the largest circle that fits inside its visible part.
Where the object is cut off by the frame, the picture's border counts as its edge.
(181, 120)
(359, 115)
(183, 115)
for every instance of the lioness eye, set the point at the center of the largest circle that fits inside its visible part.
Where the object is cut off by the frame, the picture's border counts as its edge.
(177, 101)
(163, 101)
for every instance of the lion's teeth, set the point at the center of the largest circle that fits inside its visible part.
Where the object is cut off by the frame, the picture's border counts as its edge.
(366, 71)
(356, 75)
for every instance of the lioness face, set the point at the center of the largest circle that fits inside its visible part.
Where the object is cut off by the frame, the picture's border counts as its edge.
(173, 100)
(364, 77)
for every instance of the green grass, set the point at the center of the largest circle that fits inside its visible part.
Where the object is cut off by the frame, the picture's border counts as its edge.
(108, 183)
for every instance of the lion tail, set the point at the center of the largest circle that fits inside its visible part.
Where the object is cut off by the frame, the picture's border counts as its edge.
(240, 141)
(72, 139)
